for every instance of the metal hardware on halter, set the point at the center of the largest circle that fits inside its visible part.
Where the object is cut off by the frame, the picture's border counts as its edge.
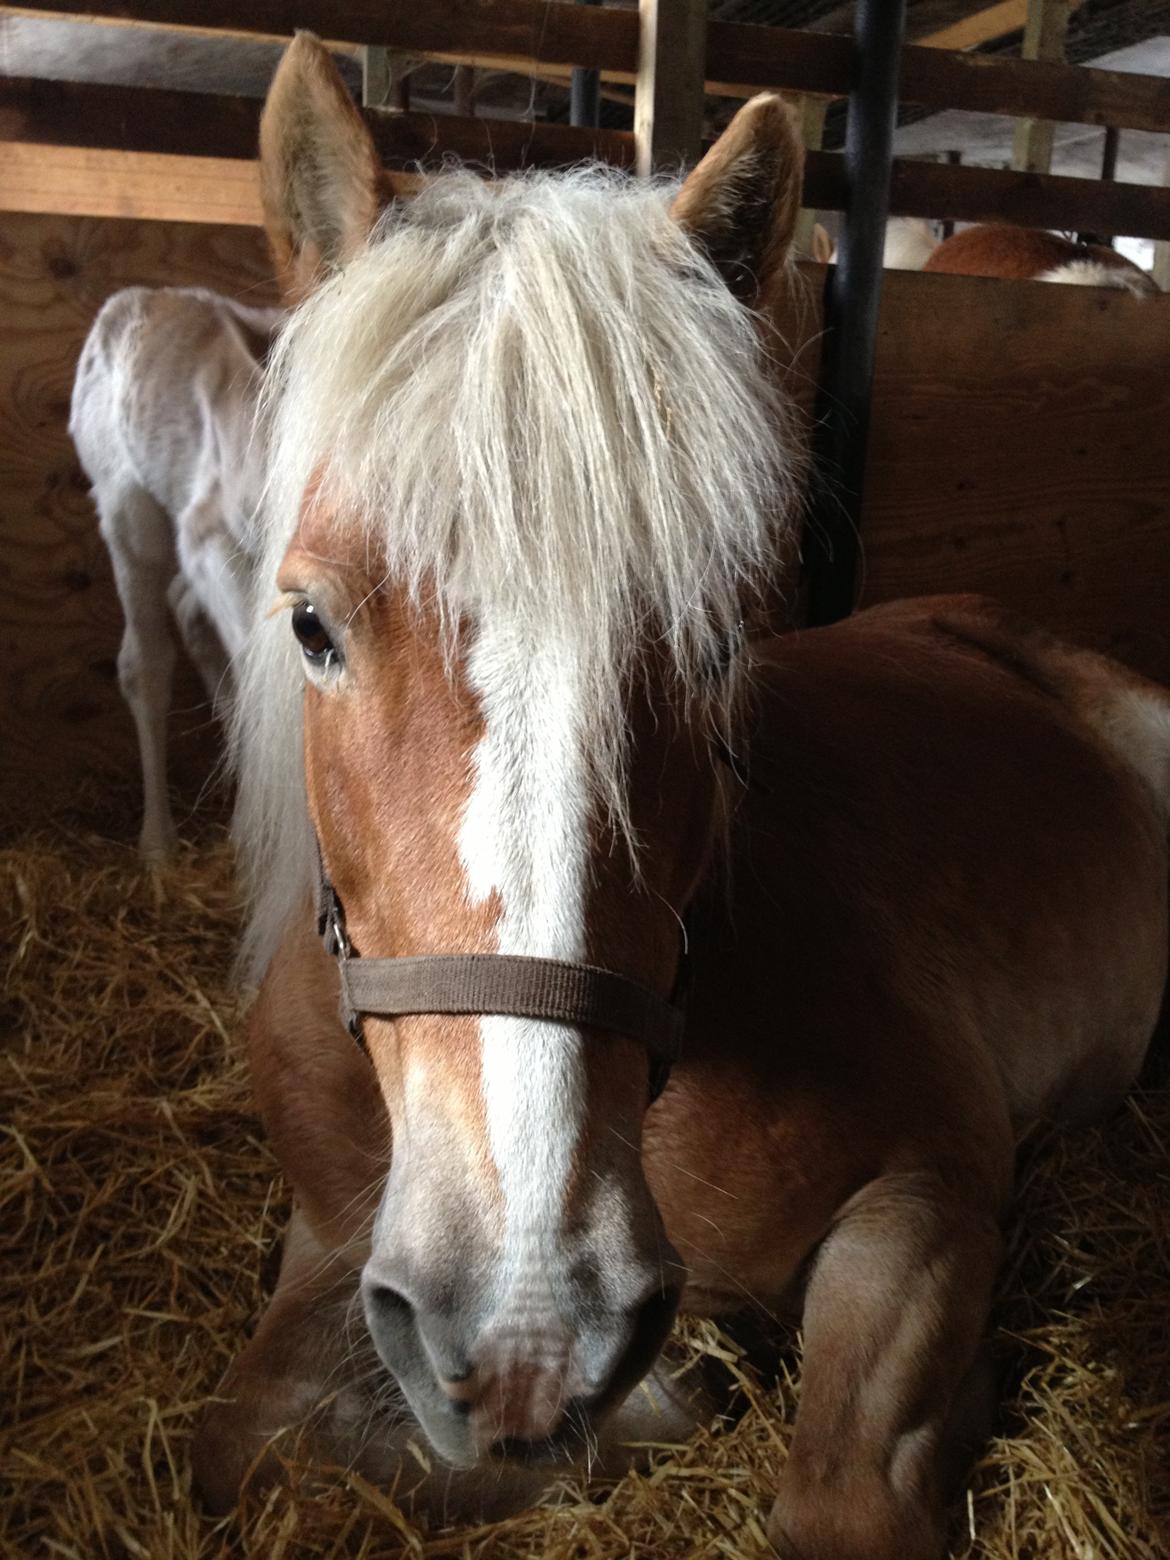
(555, 990)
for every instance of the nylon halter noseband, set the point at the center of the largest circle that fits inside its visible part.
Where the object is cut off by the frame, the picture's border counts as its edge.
(512, 985)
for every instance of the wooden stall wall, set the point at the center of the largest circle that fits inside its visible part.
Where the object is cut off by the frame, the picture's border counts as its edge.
(1020, 446)
(66, 739)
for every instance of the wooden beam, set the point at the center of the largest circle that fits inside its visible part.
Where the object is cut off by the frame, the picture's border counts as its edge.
(131, 119)
(198, 124)
(994, 21)
(76, 116)
(668, 97)
(1161, 270)
(741, 60)
(968, 194)
(1044, 35)
(552, 31)
(78, 181)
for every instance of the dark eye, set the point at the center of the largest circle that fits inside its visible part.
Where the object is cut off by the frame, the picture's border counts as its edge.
(314, 641)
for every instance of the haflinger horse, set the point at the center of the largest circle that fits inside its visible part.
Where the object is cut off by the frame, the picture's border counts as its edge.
(164, 420)
(1032, 254)
(530, 470)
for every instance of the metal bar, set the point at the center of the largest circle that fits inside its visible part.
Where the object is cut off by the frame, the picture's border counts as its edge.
(1108, 175)
(585, 93)
(954, 157)
(852, 297)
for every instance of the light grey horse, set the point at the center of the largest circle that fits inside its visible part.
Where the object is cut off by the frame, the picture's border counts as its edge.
(164, 420)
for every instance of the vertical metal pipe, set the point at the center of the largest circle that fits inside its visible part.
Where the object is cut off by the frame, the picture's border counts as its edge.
(947, 228)
(585, 93)
(852, 296)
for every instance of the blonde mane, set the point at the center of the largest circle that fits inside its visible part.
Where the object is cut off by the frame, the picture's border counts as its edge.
(537, 399)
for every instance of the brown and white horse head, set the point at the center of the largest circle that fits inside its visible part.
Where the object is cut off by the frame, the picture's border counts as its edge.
(527, 464)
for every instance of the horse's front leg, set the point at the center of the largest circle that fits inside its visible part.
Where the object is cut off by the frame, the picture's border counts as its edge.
(893, 1400)
(305, 1370)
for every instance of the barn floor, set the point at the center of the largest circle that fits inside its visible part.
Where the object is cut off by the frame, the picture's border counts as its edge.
(140, 1212)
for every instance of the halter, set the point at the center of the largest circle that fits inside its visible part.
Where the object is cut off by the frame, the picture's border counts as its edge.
(560, 991)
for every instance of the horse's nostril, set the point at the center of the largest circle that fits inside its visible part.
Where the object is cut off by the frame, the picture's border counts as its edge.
(387, 1304)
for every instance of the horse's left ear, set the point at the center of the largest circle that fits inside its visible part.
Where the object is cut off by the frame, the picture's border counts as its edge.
(741, 202)
(320, 177)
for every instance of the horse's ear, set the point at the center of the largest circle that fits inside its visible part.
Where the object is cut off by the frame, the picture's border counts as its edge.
(320, 179)
(822, 245)
(741, 202)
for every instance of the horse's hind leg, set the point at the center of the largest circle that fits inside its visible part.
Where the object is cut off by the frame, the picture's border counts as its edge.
(137, 533)
(893, 1400)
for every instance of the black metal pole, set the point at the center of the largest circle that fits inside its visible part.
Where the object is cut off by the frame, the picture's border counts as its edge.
(585, 93)
(852, 296)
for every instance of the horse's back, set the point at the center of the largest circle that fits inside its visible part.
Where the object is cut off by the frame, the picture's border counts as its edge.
(977, 814)
(166, 390)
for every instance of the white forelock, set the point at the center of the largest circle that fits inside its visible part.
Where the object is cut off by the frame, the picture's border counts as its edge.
(540, 403)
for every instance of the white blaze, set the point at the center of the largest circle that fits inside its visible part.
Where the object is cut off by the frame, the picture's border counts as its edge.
(525, 838)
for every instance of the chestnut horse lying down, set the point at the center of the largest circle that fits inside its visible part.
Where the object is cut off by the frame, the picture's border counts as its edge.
(1032, 254)
(528, 464)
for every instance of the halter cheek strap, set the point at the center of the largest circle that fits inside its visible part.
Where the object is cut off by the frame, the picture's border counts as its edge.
(512, 985)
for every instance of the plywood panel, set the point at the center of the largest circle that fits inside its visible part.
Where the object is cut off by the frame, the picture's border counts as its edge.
(65, 736)
(1020, 446)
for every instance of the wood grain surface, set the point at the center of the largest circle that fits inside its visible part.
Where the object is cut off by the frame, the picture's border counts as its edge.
(1018, 447)
(66, 740)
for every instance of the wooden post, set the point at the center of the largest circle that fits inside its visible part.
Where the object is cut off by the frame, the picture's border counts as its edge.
(385, 82)
(1044, 35)
(465, 90)
(812, 112)
(668, 100)
(1161, 267)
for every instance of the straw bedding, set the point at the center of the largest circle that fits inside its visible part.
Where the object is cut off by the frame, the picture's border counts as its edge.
(141, 1214)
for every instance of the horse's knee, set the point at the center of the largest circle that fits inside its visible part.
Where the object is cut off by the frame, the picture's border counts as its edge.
(144, 671)
(868, 1520)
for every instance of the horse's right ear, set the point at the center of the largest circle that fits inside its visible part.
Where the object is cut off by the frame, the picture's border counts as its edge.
(320, 178)
(741, 202)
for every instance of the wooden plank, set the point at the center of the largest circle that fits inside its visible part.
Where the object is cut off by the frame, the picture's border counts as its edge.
(552, 31)
(197, 124)
(741, 59)
(67, 737)
(668, 96)
(994, 21)
(967, 194)
(1018, 447)
(132, 119)
(1071, 94)
(1044, 35)
(95, 183)
(152, 181)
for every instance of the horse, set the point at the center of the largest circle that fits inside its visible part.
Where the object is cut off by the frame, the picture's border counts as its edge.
(162, 415)
(688, 968)
(1023, 254)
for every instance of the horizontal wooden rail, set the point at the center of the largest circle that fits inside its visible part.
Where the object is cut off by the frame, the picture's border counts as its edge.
(740, 59)
(554, 32)
(195, 124)
(199, 124)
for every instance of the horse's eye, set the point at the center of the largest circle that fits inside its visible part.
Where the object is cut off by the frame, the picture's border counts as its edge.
(314, 641)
